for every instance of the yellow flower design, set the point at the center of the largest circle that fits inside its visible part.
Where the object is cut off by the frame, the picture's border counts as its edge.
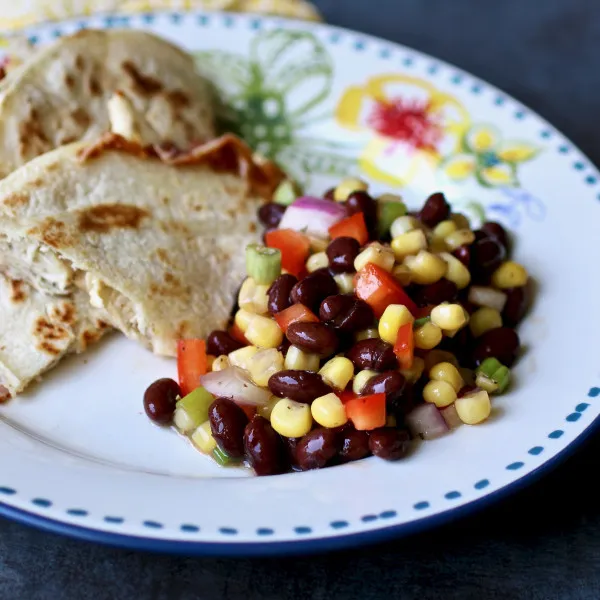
(410, 123)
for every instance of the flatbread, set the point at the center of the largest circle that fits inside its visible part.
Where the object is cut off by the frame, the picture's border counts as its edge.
(61, 94)
(158, 242)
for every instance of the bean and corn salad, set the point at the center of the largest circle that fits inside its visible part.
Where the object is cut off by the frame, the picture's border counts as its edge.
(359, 327)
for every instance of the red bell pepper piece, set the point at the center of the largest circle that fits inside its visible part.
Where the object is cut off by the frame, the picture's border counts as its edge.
(191, 364)
(353, 227)
(404, 348)
(294, 247)
(297, 313)
(249, 410)
(379, 289)
(367, 412)
(237, 334)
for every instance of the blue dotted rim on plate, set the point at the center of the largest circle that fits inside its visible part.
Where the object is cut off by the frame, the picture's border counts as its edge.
(359, 43)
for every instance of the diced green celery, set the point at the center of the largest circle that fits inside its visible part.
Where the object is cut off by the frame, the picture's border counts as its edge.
(502, 378)
(388, 213)
(222, 457)
(486, 383)
(286, 192)
(420, 322)
(263, 264)
(192, 410)
(489, 366)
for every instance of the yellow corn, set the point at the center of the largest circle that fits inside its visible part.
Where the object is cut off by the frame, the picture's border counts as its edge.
(402, 274)
(203, 438)
(317, 261)
(437, 246)
(447, 372)
(449, 316)
(361, 379)
(254, 297)
(264, 364)
(298, 360)
(460, 220)
(433, 357)
(328, 411)
(264, 332)
(347, 186)
(210, 361)
(425, 268)
(440, 393)
(510, 274)
(220, 363)
(241, 358)
(393, 317)
(402, 225)
(457, 272)
(242, 319)
(317, 244)
(345, 283)
(461, 237)
(414, 373)
(265, 410)
(337, 372)
(291, 419)
(427, 336)
(377, 254)
(366, 334)
(408, 243)
(389, 198)
(443, 229)
(484, 319)
(474, 408)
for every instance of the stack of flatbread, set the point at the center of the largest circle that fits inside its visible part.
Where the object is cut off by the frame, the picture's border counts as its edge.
(119, 208)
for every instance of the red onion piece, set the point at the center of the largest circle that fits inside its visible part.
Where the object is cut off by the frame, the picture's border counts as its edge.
(235, 383)
(426, 421)
(451, 416)
(312, 215)
(487, 296)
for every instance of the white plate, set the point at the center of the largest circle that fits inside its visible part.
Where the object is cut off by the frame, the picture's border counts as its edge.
(78, 454)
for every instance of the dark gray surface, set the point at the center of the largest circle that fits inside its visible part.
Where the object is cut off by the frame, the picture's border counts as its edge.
(544, 543)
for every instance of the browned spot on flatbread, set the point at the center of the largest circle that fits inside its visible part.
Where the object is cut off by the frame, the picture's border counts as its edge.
(49, 348)
(95, 88)
(47, 330)
(79, 62)
(182, 329)
(252, 227)
(105, 217)
(178, 98)
(15, 200)
(53, 232)
(64, 313)
(4, 394)
(165, 201)
(197, 207)
(69, 80)
(231, 212)
(52, 167)
(175, 227)
(145, 84)
(90, 337)
(32, 139)
(81, 117)
(163, 257)
(17, 291)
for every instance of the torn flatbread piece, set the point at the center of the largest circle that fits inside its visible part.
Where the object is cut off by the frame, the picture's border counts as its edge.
(157, 243)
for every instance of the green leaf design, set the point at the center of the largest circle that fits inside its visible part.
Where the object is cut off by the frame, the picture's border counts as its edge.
(230, 72)
(321, 161)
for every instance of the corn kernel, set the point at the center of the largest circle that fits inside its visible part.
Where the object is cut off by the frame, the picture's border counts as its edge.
(317, 261)
(328, 411)
(433, 357)
(437, 246)
(427, 336)
(377, 254)
(264, 364)
(460, 220)
(484, 319)
(366, 334)
(345, 283)
(461, 237)
(317, 244)
(402, 274)
(298, 360)
(220, 363)
(510, 274)
(291, 419)
(203, 438)
(408, 243)
(210, 361)
(403, 225)
(414, 373)
(387, 197)
(264, 332)
(242, 319)
(347, 186)
(241, 358)
(393, 317)
(457, 272)
(265, 410)
(447, 372)
(361, 379)
(425, 268)
(337, 372)
(443, 229)
(474, 408)
(253, 297)
(449, 316)
(440, 393)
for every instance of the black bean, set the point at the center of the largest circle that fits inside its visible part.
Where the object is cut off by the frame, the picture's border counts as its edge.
(160, 399)
(341, 253)
(227, 423)
(329, 194)
(436, 293)
(264, 448)
(279, 293)
(284, 346)
(311, 290)
(501, 343)
(517, 304)
(354, 445)
(346, 313)
(486, 256)
(373, 354)
(390, 383)
(316, 338)
(389, 444)
(220, 342)
(270, 214)
(435, 210)
(301, 386)
(360, 201)
(289, 445)
(463, 253)
(496, 231)
(316, 449)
